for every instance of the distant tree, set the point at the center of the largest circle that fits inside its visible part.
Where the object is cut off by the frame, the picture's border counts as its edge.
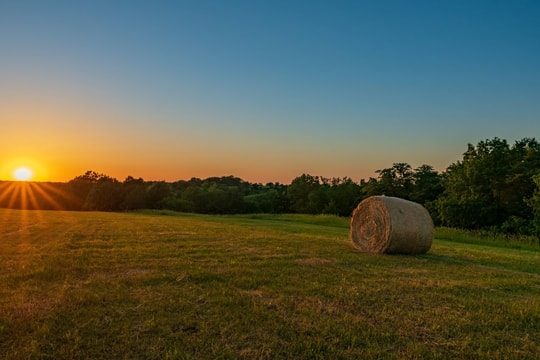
(90, 177)
(534, 203)
(344, 195)
(299, 194)
(135, 194)
(370, 187)
(525, 165)
(106, 194)
(156, 193)
(427, 187)
(81, 186)
(426, 184)
(395, 181)
(280, 200)
(211, 199)
(270, 198)
(190, 196)
(469, 199)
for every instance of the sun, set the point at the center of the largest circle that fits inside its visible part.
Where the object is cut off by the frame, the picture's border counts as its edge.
(23, 173)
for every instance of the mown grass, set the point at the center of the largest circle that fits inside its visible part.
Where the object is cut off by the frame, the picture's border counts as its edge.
(483, 237)
(181, 286)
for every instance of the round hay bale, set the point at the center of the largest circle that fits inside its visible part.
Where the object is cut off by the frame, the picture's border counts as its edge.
(390, 225)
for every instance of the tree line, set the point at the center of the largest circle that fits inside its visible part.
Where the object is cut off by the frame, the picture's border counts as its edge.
(495, 186)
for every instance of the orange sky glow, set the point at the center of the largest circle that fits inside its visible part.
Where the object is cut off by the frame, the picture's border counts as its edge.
(264, 91)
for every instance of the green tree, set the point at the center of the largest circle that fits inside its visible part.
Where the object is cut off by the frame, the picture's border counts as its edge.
(490, 185)
(395, 181)
(270, 198)
(135, 195)
(95, 191)
(344, 195)
(427, 184)
(302, 194)
(534, 203)
(106, 194)
(80, 186)
(471, 186)
(370, 187)
(525, 162)
(156, 193)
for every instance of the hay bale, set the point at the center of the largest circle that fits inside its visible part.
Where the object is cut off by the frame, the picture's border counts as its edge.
(390, 225)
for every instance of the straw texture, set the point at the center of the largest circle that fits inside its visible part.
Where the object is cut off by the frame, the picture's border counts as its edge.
(390, 225)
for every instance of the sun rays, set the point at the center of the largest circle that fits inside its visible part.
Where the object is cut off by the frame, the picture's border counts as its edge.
(27, 197)
(33, 196)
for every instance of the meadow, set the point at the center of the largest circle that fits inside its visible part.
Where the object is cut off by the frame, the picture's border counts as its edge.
(164, 285)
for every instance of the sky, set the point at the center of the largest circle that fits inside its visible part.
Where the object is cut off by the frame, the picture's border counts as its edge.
(264, 90)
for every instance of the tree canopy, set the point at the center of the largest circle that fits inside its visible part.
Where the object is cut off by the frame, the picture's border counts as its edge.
(496, 186)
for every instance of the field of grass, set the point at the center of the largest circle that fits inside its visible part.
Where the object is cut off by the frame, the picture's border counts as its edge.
(83, 285)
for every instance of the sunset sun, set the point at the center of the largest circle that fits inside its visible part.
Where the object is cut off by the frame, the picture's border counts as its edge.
(23, 173)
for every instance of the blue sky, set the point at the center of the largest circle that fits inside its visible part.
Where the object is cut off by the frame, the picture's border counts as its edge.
(263, 90)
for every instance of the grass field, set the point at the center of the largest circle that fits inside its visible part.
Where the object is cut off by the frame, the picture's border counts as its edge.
(80, 285)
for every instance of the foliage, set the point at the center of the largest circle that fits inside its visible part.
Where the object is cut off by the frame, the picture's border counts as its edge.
(422, 185)
(491, 186)
(495, 186)
(318, 195)
(534, 203)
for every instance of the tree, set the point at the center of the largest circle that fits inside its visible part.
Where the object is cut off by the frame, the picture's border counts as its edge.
(525, 163)
(157, 192)
(299, 193)
(270, 198)
(83, 189)
(534, 203)
(135, 194)
(488, 188)
(106, 194)
(370, 187)
(395, 181)
(427, 184)
(469, 199)
(344, 195)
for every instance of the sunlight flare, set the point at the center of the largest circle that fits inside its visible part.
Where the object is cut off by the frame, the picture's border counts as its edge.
(23, 173)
